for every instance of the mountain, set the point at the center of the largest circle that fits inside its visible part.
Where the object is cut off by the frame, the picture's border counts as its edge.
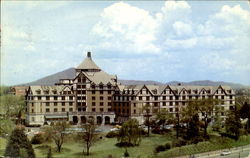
(54, 78)
(209, 83)
(70, 73)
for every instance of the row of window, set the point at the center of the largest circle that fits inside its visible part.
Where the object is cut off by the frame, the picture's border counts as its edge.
(62, 110)
(101, 98)
(101, 110)
(54, 98)
(101, 103)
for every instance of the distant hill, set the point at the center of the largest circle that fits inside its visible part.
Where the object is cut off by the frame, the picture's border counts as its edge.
(70, 73)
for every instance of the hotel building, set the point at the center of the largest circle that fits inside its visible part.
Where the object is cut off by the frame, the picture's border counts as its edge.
(93, 93)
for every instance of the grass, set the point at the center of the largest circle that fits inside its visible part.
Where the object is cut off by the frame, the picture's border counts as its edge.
(106, 146)
(215, 143)
(103, 148)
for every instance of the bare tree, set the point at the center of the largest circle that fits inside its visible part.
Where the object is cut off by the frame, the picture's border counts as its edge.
(57, 133)
(88, 135)
(148, 114)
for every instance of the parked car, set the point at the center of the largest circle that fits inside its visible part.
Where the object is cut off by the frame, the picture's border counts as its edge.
(226, 152)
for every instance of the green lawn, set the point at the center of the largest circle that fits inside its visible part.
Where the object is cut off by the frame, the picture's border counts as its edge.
(106, 146)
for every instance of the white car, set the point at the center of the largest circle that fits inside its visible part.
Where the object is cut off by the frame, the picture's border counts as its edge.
(224, 153)
(114, 129)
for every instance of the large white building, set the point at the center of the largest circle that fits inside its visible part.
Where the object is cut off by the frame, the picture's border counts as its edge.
(93, 93)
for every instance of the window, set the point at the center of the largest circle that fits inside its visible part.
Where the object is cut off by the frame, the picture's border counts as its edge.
(134, 111)
(109, 92)
(190, 97)
(156, 98)
(70, 109)
(170, 103)
(101, 109)
(109, 110)
(32, 110)
(47, 110)
(109, 98)
(222, 97)
(164, 103)
(155, 104)
(47, 104)
(70, 97)
(176, 97)
(140, 97)
(171, 97)
(101, 86)
(93, 92)
(70, 103)
(63, 103)
(93, 103)
(93, 98)
(171, 109)
(101, 92)
(134, 104)
(47, 97)
(109, 104)
(55, 97)
(93, 109)
(63, 109)
(164, 98)
(101, 103)
(183, 97)
(63, 97)
(55, 103)
(55, 109)
(101, 98)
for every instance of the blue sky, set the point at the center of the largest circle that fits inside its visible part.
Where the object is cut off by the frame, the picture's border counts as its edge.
(144, 40)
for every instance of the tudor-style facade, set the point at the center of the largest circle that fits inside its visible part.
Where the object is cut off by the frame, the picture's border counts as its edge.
(93, 93)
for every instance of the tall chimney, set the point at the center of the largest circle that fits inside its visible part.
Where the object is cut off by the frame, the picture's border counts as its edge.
(89, 54)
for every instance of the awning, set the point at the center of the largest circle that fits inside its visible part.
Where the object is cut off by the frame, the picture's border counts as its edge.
(54, 116)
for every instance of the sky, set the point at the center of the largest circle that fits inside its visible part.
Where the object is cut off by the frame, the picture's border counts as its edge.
(137, 40)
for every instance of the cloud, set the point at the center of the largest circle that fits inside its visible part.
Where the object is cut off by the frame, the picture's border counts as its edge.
(127, 27)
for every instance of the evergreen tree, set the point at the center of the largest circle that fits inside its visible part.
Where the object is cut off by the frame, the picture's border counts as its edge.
(19, 145)
(233, 123)
(193, 127)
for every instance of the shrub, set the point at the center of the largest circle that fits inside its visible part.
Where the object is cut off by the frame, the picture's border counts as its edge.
(156, 131)
(111, 134)
(160, 148)
(126, 154)
(37, 139)
(124, 144)
(179, 142)
(143, 132)
(167, 146)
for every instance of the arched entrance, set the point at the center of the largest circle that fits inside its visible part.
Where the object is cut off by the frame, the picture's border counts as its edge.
(91, 119)
(83, 119)
(107, 120)
(75, 120)
(99, 120)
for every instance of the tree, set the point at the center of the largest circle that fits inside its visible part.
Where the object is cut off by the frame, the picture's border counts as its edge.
(245, 114)
(233, 123)
(193, 127)
(130, 133)
(207, 108)
(88, 135)
(49, 154)
(19, 145)
(217, 124)
(57, 133)
(148, 114)
(164, 117)
(12, 106)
